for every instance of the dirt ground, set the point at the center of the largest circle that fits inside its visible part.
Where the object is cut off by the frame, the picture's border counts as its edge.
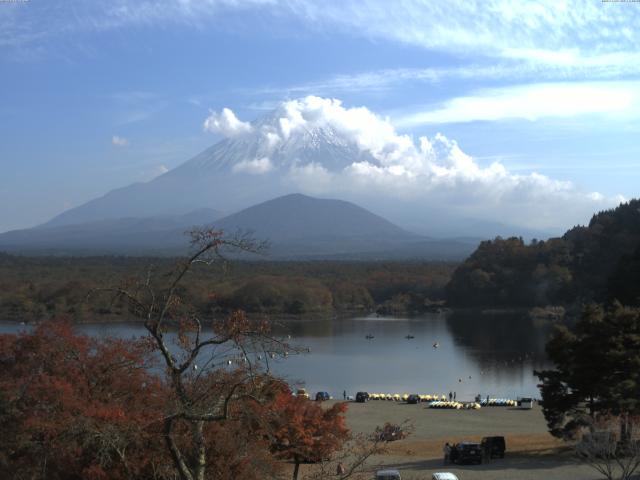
(531, 452)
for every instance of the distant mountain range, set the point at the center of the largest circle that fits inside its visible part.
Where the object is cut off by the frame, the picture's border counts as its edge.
(252, 175)
(130, 235)
(266, 162)
(296, 227)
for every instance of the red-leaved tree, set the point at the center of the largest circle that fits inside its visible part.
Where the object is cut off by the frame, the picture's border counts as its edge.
(76, 407)
(304, 432)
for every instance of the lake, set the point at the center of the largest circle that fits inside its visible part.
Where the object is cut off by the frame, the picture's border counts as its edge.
(486, 354)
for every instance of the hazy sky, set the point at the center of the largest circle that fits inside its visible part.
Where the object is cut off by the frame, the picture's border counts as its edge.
(97, 95)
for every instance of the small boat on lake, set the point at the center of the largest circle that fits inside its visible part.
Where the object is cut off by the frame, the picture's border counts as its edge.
(409, 337)
(368, 336)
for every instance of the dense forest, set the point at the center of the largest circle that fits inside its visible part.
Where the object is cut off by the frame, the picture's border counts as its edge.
(35, 288)
(596, 263)
(599, 262)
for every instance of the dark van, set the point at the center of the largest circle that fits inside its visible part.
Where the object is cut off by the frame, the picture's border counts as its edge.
(493, 447)
(322, 396)
(466, 452)
(362, 397)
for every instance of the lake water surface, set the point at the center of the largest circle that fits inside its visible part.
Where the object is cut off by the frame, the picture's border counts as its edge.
(477, 354)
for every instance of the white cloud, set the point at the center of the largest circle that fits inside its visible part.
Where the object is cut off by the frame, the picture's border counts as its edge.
(226, 123)
(519, 65)
(119, 141)
(532, 102)
(499, 28)
(312, 178)
(388, 168)
(257, 166)
(491, 27)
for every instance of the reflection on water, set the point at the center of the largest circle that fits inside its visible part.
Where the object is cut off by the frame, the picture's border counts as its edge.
(477, 354)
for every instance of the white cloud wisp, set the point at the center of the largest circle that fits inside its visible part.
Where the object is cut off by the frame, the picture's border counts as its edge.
(384, 167)
(118, 141)
(536, 101)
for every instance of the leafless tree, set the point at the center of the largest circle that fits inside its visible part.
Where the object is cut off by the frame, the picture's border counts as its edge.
(354, 459)
(211, 364)
(602, 448)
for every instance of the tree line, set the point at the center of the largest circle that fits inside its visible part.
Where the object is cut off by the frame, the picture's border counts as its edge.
(35, 288)
(596, 263)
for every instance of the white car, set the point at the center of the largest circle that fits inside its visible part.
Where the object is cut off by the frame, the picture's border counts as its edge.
(388, 475)
(525, 403)
(443, 476)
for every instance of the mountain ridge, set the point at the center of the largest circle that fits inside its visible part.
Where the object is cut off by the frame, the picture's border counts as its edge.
(296, 225)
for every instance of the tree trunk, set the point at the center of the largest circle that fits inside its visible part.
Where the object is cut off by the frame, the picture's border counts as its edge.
(296, 469)
(201, 453)
(624, 429)
(176, 455)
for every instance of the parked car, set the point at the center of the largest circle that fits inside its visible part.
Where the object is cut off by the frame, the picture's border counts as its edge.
(466, 452)
(413, 399)
(493, 447)
(362, 397)
(301, 392)
(443, 476)
(322, 396)
(526, 403)
(388, 475)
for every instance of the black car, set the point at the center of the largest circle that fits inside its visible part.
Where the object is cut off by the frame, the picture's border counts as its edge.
(466, 452)
(322, 396)
(362, 397)
(493, 447)
(413, 399)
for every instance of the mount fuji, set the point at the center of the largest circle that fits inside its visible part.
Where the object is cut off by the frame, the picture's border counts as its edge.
(313, 146)
(234, 173)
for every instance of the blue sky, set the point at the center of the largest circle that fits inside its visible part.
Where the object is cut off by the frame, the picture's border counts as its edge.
(98, 95)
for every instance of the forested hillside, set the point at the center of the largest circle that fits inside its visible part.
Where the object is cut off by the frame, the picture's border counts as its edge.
(598, 262)
(36, 288)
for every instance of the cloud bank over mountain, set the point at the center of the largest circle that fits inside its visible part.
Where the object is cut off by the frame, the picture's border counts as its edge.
(433, 173)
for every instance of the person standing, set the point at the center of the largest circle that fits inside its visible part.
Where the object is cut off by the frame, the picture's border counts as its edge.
(454, 395)
(447, 453)
(344, 394)
(450, 396)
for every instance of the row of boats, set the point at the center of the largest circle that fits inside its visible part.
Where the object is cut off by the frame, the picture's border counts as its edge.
(499, 402)
(396, 397)
(456, 405)
(440, 401)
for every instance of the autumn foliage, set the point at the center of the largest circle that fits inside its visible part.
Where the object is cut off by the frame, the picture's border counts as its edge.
(304, 432)
(75, 407)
